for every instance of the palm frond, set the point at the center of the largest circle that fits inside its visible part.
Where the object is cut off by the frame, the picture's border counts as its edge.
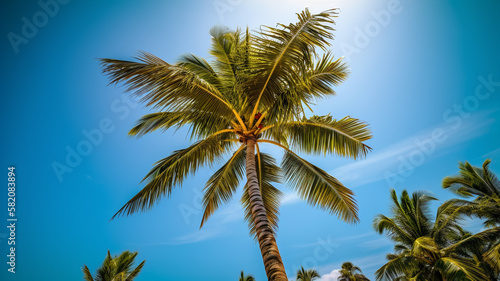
(323, 134)
(168, 87)
(281, 51)
(86, 274)
(171, 171)
(319, 188)
(458, 269)
(223, 183)
(326, 73)
(397, 266)
(132, 275)
(200, 125)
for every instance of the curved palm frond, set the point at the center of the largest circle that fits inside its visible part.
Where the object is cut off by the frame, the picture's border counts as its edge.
(199, 121)
(86, 274)
(318, 187)
(397, 266)
(280, 50)
(223, 183)
(323, 134)
(171, 171)
(168, 87)
(458, 269)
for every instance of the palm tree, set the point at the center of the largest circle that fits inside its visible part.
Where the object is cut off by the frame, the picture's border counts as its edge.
(426, 249)
(245, 278)
(482, 184)
(117, 268)
(307, 275)
(350, 272)
(253, 93)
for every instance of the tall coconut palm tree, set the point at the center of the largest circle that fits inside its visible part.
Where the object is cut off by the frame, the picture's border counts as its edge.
(350, 272)
(426, 249)
(117, 268)
(484, 186)
(307, 275)
(245, 278)
(253, 93)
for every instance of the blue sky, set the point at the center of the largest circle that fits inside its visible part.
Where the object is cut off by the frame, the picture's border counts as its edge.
(424, 74)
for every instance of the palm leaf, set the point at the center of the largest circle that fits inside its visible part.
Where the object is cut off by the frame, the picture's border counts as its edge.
(221, 185)
(171, 171)
(323, 134)
(319, 188)
(168, 87)
(86, 274)
(457, 269)
(281, 51)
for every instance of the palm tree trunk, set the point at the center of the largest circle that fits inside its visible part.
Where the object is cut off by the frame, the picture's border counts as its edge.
(273, 264)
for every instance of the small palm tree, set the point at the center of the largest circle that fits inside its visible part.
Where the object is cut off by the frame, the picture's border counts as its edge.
(307, 275)
(350, 272)
(245, 278)
(254, 93)
(429, 250)
(117, 268)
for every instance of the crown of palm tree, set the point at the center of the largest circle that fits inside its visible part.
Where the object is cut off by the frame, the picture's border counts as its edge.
(307, 275)
(117, 268)
(426, 249)
(480, 183)
(350, 272)
(245, 278)
(255, 91)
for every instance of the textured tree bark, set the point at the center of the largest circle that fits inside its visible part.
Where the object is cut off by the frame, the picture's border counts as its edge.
(273, 264)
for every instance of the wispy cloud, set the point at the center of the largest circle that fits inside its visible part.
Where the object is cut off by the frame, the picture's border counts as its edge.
(376, 243)
(376, 165)
(495, 152)
(195, 237)
(289, 198)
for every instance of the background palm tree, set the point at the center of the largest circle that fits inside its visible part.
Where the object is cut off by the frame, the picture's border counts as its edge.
(117, 268)
(307, 275)
(254, 92)
(350, 272)
(480, 183)
(426, 249)
(245, 278)
(484, 186)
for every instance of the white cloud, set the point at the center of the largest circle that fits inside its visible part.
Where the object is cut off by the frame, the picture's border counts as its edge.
(332, 276)
(289, 198)
(196, 236)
